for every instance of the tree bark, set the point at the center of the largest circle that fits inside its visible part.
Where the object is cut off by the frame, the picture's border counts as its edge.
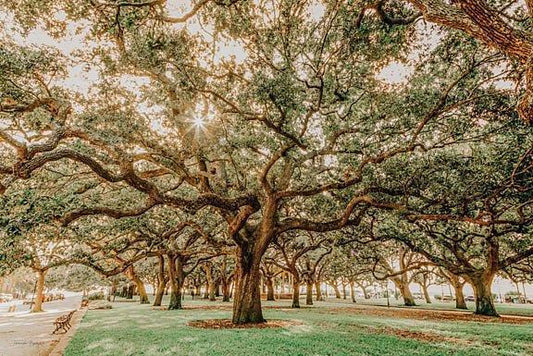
(159, 293)
(344, 293)
(130, 290)
(309, 293)
(161, 283)
(318, 291)
(247, 294)
(217, 288)
(206, 292)
(175, 271)
(363, 288)
(426, 293)
(483, 294)
(270, 288)
(336, 289)
(210, 286)
(460, 302)
(407, 296)
(295, 292)
(225, 292)
(198, 290)
(352, 292)
(39, 292)
(143, 296)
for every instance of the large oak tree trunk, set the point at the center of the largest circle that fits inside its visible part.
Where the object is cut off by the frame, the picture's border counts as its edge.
(206, 291)
(352, 292)
(247, 294)
(198, 290)
(212, 292)
(295, 292)
(460, 302)
(309, 293)
(336, 289)
(129, 291)
(426, 293)
(457, 285)
(365, 292)
(407, 296)
(159, 293)
(225, 293)
(270, 288)
(318, 291)
(143, 296)
(483, 294)
(210, 286)
(344, 291)
(161, 283)
(175, 272)
(217, 289)
(39, 292)
(225, 290)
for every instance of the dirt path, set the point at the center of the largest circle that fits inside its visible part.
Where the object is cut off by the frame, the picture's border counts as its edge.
(25, 334)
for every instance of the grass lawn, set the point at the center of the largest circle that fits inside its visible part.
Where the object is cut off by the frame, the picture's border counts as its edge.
(328, 328)
(502, 308)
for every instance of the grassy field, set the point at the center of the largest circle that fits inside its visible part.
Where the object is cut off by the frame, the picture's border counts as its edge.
(503, 308)
(328, 328)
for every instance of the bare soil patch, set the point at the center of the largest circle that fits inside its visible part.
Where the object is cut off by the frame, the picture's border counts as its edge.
(417, 335)
(227, 324)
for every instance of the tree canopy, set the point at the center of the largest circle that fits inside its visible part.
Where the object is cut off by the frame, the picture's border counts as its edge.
(255, 128)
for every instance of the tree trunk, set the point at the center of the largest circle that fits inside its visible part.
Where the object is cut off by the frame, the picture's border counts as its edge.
(309, 293)
(343, 291)
(210, 285)
(114, 289)
(206, 292)
(175, 285)
(198, 290)
(426, 293)
(143, 296)
(270, 288)
(217, 288)
(131, 288)
(247, 294)
(159, 293)
(363, 288)
(352, 292)
(318, 291)
(407, 296)
(212, 292)
(460, 302)
(483, 294)
(295, 292)
(161, 283)
(225, 291)
(39, 292)
(336, 289)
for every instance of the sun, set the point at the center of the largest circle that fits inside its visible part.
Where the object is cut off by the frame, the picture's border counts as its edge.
(198, 122)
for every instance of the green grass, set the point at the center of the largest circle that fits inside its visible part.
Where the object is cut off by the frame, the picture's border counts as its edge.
(502, 308)
(327, 329)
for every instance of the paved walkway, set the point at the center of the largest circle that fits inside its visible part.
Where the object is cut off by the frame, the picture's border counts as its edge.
(26, 334)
